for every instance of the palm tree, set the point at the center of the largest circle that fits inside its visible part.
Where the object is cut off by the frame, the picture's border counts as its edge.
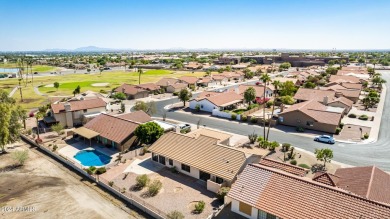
(38, 116)
(139, 75)
(265, 78)
(276, 84)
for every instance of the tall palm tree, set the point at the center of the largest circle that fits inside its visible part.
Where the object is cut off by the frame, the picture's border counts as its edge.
(139, 75)
(276, 84)
(38, 116)
(265, 78)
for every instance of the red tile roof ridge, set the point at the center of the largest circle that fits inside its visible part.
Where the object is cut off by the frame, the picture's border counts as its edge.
(370, 183)
(127, 120)
(328, 175)
(308, 181)
(283, 164)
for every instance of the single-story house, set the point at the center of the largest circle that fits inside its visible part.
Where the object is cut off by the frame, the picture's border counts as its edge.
(306, 94)
(206, 82)
(259, 90)
(151, 87)
(165, 82)
(236, 76)
(193, 65)
(341, 102)
(294, 196)
(312, 115)
(202, 158)
(350, 93)
(136, 116)
(220, 79)
(345, 78)
(215, 100)
(132, 91)
(73, 113)
(190, 80)
(176, 87)
(110, 130)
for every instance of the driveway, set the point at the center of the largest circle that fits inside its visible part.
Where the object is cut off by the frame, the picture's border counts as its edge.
(377, 153)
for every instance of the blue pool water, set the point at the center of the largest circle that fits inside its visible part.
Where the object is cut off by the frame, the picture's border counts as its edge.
(92, 158)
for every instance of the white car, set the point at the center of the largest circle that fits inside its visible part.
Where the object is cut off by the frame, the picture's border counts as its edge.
(325, 138)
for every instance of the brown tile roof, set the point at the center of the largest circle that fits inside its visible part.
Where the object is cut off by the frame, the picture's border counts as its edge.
(259, 89)
(205, 80)
(189, 79)
(296, 197)
(346, 72)
(179, 85)
(149, 86)
(313, 94)
(166, 81)
(352, 85)
(218, 77)
(221, 136)
(370, 182)
(326, 178)
(354, 93)
(130, 89)
(231, 74)
(354, 68)
(137, 116)
(205, 94)
(317, 111)
(202, 153)
(298, 171)
(344, 78)
(79, 105)
(111, 127)
(224, 98)
(343, 100)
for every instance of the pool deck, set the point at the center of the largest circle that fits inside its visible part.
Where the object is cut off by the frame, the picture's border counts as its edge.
(71, 150)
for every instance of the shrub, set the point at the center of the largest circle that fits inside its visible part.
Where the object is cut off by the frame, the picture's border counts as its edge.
(29, 131)
(273, 145)
(154, 187)
(54, 148)
(286, 147)
(244, 118)
(175, 215)
(20, 156)
(102, 91)
(365, 136)
(269, 103)
(233, 116)
(222, 192)
(253, 119)
(352, 115)
(341, 125)
(100, 170)
(304, 166)
(197, 108)
(92, 168)
(252, 138)
(363, 117)
(199, 207)
(175, 93)
(88, 171)
(293, 162)
(111, 183)
(142, 181)
(57, 128)
(300, 129)
(252, 106)
(145, 149)
(338, 130)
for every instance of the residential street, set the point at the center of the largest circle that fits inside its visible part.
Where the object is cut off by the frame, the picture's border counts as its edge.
(377, 153)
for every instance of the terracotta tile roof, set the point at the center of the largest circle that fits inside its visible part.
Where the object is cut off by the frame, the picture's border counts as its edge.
(298, 171)
(167, 81)
(137, 116)
(259, 89)
(313, 94)
(354, 93)
(343, 100)
(354, 68)
(370, 182)
(205, 80)
(149, 86)
(79, 105)
(202, 153)
(346, 72)
(296, 197)
(205, 94)
(352, 85)
(317, 111)
(326, 178)
(129, 89)
(344, 78)
(178, 85)
(189, 79)
(231, 74)
(218, 77)
(224, 98)
(111, 127)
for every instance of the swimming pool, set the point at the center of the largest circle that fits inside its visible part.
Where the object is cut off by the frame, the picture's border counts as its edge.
(92, 158)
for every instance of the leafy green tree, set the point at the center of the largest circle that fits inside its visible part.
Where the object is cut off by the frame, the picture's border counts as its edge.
(371, 100)
(57, 128)
(123, 107)
(378, 80)
(56, 85)
(309, 85)
(324, 154)
(331, 71)
(140, 72)
(77, 90)
(248, 74)
(119, 96)
(265, 78)
(250, 95)
(149, 107)
(288, 88)
(288, 100)
(285, 66)
(228, 68)
(149, 132)
(184, 96)
(331, 62)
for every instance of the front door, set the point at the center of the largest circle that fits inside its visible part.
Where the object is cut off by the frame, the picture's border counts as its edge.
(204, 176)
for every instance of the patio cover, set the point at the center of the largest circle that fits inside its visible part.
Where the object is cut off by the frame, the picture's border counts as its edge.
(86, 133)
(231, 103)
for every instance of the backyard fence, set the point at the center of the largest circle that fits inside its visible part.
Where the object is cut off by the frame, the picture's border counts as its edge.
(124, 195)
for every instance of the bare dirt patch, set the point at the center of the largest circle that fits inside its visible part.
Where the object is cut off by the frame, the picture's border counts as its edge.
(52, 191)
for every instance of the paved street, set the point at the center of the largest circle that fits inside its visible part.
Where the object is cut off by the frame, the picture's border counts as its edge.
(377, 153)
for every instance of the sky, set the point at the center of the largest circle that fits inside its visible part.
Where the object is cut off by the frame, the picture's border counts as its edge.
(192, 24)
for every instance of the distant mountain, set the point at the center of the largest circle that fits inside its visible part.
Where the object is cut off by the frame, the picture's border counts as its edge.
(92, 49)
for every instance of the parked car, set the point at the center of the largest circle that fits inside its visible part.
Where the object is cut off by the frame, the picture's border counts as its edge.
(35, 73)
(325, 138)
(184, 126)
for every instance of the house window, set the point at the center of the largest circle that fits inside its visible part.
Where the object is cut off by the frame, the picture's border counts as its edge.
(218, 180)
(85, 111)
(154, 157)
(309, 123)
(204, 176)
(201, 106)
(245, 208)
(170, 161)
(185, 167)
(161, 159)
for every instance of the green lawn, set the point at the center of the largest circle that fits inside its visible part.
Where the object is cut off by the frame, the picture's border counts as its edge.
(239, 111)
(69, 82)
(35, 68)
